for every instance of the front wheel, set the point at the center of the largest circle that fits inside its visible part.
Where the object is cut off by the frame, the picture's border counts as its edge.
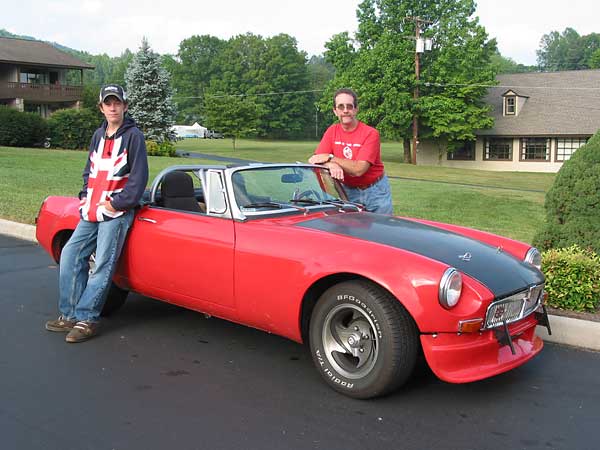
(363, 341)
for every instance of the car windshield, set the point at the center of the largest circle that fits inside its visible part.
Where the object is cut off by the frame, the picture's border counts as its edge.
(277, 187)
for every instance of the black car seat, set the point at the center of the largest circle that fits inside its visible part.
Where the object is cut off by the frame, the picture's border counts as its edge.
(177, 191)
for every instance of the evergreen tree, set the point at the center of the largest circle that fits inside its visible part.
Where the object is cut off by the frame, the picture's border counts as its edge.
(149, 94)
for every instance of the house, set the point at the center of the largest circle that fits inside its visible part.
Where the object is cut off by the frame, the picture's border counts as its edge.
(540, 120)
(37, 77)
(189, 131)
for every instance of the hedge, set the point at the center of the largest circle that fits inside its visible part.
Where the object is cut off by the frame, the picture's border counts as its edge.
(72, 128)
(572, 278)
(21, 129)
(573, 203)
(165, 148)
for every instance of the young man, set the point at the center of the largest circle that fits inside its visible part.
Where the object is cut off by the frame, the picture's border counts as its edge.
(114, 180)
(351, 150)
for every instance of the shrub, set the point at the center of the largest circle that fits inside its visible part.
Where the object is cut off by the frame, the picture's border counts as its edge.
(165, 148)
(21, 129)
(72, 128)
(572, 205)
(572, 278)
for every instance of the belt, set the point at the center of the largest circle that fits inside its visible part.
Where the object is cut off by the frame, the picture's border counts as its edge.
(367, 186)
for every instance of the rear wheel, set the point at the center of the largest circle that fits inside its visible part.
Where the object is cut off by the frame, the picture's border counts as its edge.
(363, 342)
(116, 296)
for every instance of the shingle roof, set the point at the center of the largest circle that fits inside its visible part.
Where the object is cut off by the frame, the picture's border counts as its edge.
(559, 103)
(39, 53)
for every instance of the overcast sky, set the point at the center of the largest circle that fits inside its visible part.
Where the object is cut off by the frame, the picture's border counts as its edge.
(110, 26)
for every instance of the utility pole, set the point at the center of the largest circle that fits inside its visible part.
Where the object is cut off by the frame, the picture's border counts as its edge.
(421, 45)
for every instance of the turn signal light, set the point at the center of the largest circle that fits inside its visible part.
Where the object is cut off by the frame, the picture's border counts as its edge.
(470, 326)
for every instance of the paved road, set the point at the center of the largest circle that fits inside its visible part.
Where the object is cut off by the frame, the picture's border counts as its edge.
(160, 377)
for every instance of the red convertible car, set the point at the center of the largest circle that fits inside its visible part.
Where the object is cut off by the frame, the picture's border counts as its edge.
(280, 248)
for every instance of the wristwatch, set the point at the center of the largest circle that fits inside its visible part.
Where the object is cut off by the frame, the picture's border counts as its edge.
(329, 157)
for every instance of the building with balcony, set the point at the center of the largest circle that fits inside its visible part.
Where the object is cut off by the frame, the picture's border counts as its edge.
(37, 77)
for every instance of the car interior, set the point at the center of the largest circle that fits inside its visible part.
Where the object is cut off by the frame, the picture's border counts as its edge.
(178, 192)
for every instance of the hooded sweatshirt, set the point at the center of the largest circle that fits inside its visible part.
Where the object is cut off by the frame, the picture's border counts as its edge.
(118, 175)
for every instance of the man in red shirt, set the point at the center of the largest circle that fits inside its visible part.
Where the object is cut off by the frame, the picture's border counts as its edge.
(351, 150)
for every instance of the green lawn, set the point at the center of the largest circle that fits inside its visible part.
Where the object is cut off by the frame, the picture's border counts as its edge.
(501, 202)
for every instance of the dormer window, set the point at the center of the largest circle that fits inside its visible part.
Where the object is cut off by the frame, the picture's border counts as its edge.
(513, 103)
(510, 105)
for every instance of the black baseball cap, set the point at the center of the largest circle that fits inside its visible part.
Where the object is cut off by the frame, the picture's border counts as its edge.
(114, 90)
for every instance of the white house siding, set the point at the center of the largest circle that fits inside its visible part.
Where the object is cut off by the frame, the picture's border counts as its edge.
(427, 154)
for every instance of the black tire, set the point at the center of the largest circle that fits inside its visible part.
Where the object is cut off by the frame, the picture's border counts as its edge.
(362, 340)
(114, 300)
(116, 296)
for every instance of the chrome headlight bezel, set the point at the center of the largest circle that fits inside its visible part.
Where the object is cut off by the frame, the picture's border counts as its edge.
(534, 257)
(450, 288)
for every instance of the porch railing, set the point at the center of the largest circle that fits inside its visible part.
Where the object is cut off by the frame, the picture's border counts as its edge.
(40, 92)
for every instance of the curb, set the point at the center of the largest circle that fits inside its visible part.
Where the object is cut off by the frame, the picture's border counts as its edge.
(18, 230)
(565, 330)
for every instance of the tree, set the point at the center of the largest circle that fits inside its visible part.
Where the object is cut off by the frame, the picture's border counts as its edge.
(380, 65)
(567, 50)
(149, 94)
(234, 116)
(508, 65)
(192, 70)
(320, 73)
(273, 73)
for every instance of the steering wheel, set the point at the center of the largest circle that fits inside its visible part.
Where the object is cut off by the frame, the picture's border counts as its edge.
(308, 194)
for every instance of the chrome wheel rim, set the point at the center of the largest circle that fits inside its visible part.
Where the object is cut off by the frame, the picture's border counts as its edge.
(350, 341)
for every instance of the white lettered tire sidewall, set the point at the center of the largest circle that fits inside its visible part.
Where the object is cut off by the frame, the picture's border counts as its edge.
(395, 349)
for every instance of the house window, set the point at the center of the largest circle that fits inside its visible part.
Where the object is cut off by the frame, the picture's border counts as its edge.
(535, 149)
(510, 108)
(464, 152)
(565, 147)
(33, 76)
(498, 149)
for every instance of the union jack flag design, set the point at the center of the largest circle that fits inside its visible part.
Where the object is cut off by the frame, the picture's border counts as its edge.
(108, 175)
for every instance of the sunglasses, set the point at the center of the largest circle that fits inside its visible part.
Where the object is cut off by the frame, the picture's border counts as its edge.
(347, 106)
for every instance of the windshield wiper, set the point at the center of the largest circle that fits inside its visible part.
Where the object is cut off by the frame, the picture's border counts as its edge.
(335, 202)
(273, 205)
(264, 205)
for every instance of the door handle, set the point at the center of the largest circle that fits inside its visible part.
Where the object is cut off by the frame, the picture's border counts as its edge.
(144, 219)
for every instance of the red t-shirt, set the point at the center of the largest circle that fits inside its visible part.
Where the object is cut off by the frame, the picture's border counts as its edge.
(360, 144)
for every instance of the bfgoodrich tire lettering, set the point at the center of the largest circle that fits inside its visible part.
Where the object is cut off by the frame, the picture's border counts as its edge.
(363, 342)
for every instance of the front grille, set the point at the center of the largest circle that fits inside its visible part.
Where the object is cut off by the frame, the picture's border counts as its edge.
(513, 308)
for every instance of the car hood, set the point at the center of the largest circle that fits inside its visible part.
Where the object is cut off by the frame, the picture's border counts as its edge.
(499, 271)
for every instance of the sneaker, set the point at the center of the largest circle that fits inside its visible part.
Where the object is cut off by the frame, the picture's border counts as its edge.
(60, 324)
(82, 331)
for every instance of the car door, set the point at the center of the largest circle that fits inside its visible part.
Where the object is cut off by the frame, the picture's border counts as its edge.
(184, 257)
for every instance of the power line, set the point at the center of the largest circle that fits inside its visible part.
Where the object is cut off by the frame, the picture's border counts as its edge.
(511, 86)
(260, 94)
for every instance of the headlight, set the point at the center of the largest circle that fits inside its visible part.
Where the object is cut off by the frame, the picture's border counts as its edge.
(534, 257)
(450, 288)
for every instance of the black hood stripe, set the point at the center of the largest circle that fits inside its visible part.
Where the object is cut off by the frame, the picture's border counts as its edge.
(502, 273)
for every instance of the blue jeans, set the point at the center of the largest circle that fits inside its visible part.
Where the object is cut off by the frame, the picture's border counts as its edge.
(377, 198)
(82, 295)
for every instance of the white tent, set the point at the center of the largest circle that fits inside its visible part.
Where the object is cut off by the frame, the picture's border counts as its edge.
(189, 131)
